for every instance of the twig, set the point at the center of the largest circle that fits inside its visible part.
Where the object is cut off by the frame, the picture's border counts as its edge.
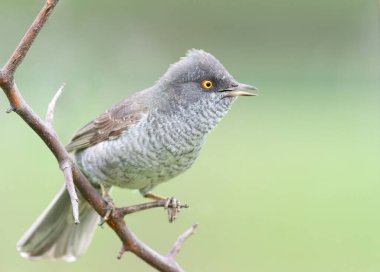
(180, 241)
(65, 165)
(71, 171)
(121, 212)
(51, 107)
(68, 174)
(26, 42)
(171, 256)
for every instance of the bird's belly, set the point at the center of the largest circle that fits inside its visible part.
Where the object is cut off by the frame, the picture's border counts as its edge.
(149, 172)
(136, 162)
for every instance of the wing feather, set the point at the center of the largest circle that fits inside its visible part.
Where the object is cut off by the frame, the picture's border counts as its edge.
(109, 125)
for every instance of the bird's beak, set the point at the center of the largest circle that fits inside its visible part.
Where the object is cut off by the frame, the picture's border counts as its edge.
(237, 90)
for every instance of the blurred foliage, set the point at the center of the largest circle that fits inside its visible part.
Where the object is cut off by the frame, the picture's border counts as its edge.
(289, 181)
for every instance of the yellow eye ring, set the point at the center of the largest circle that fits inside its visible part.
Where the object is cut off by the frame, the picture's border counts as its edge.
(207, 84)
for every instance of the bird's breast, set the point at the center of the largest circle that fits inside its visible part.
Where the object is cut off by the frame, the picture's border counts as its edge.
(158, 148)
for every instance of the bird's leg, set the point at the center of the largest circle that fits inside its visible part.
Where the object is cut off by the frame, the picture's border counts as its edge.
(110, 205)
(153, 196)
(172, 205)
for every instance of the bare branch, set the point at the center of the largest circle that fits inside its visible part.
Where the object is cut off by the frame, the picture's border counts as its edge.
(71, 171)
(121, 212)
(28, 39)
(180, 241)
(51, 107)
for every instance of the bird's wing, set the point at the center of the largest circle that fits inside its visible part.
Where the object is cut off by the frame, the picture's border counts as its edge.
(109, 125)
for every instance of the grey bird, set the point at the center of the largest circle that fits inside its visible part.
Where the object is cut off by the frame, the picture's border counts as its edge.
(148, 138)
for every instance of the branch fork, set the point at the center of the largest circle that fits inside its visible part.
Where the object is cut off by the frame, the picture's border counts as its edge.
(73, 176)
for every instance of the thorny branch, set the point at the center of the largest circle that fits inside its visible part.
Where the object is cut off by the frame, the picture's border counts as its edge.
(71, 172)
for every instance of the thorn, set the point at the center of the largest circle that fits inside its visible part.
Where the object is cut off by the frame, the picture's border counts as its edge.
(121, 252)
(51, 107)
(11, 109)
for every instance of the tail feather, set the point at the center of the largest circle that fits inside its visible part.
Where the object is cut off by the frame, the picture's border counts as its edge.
(54, 234)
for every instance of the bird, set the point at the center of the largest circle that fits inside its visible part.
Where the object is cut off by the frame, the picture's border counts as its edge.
(146, 139)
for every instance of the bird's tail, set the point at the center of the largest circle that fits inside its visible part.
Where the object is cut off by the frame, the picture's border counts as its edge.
(55, 235)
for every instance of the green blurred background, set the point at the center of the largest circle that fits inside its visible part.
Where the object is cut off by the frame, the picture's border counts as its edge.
(289, 181)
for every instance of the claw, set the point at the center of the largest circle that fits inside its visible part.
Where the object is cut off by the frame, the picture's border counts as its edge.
(173, 207)
(110, 206)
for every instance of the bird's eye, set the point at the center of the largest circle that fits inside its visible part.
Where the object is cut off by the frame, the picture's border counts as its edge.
(207, 84)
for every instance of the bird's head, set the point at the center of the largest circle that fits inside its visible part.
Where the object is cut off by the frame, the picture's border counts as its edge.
(199, 74)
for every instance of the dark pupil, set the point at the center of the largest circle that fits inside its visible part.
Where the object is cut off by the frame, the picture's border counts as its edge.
(208, 84)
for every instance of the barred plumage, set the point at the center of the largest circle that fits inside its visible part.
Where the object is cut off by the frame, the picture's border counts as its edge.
(156, 149)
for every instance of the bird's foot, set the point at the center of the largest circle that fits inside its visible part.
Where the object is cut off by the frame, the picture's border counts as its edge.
(172, 205)
(110, 206)
(109, 209)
